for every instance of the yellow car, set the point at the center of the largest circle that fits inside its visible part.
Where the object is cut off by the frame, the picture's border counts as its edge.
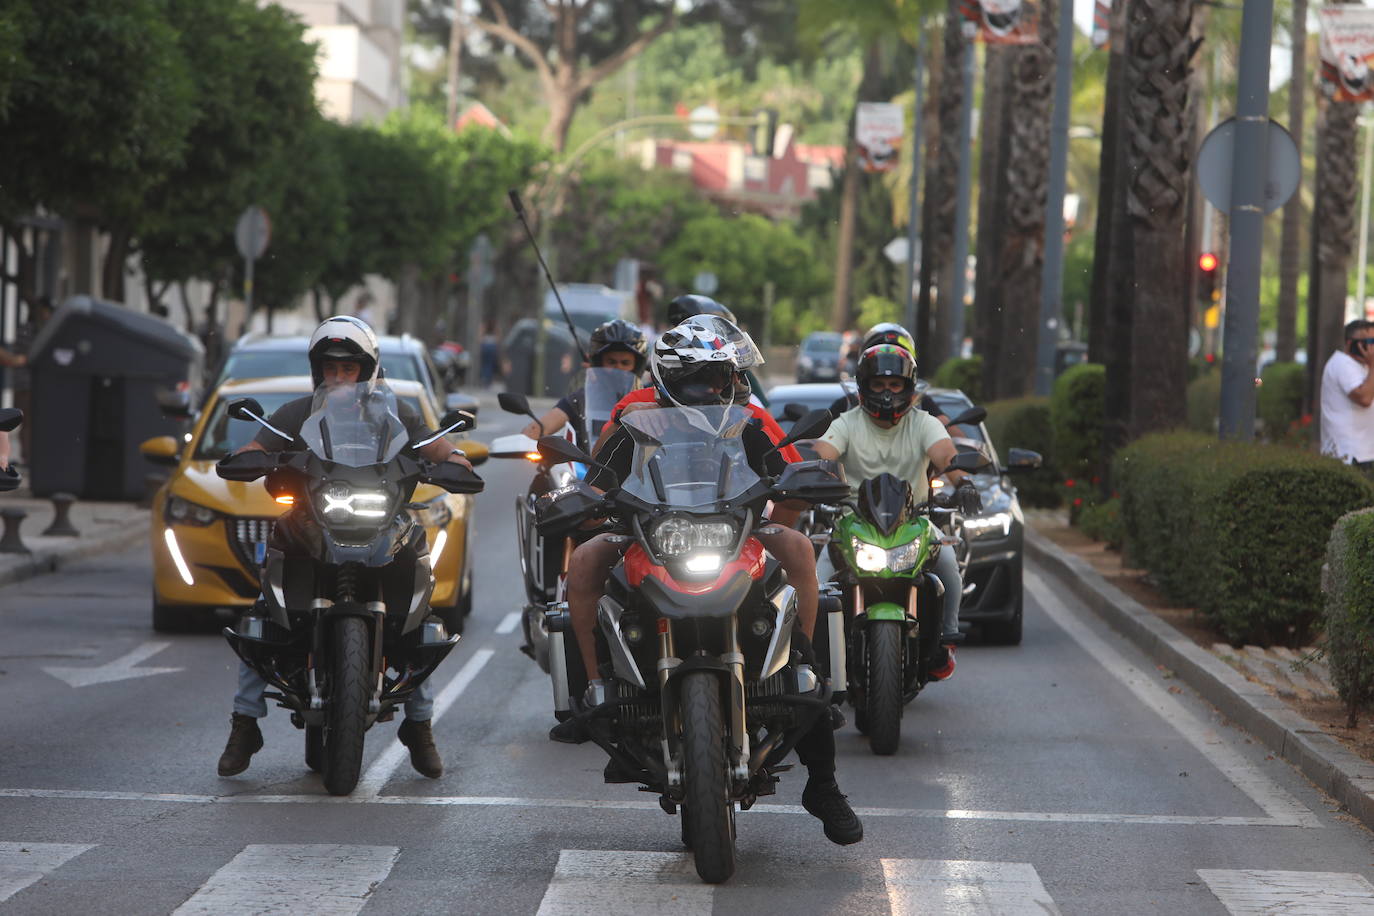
(209, 533)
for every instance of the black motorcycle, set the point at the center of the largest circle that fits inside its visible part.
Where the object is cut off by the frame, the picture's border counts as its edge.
(348, 636)
(707, 695)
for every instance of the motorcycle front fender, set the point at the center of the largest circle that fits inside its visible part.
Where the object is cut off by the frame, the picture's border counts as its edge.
(886, 610)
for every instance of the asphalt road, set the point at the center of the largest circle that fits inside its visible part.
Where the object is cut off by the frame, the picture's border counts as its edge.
(1065, 775)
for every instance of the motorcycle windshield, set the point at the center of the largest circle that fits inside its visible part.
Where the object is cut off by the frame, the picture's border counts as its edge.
(354, 425)
(604, 388)
(688, 456)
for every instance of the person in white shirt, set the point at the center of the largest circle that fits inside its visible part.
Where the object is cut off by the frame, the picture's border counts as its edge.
(1347, 393)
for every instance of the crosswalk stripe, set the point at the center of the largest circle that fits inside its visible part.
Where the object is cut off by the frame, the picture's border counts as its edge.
(21, 864)
(323, 880)
(1249, 892)
(935, 887)
(616, 883)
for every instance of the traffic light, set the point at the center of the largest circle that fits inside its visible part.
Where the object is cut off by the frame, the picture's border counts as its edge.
(1207, 264)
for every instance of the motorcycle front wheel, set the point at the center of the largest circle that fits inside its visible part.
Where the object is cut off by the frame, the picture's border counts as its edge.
(345, 715)
(884, 693)
(708, 828)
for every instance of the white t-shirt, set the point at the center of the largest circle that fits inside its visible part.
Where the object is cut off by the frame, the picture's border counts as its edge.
(867, 450)
(1347, 428)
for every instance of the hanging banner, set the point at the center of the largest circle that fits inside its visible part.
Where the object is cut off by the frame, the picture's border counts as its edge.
(1102, 24)
(1002, 22)
(1347, 50)
(878, 130)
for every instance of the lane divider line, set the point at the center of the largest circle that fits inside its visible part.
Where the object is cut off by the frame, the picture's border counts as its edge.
(508, 623)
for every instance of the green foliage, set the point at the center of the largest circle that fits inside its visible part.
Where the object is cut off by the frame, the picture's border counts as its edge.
(1349, 607)
(1102, 522)
(1279, 401)
(16, 19)
(1025, 423)
(1204, 402)
(1224, 527)
(964, 374)
(875, 310)
(1076, 413)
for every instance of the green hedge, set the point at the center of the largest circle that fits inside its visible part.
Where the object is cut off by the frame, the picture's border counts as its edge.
(1204, 403)
(1228, 528)
(964, 374)
(1102, 522)
(1076, 414)
(1279, 401)
(1349, 585)
(1025, 423)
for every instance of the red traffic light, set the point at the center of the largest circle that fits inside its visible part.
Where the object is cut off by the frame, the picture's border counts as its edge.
(1207, 261)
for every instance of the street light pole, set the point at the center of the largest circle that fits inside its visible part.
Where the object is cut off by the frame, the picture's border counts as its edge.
(961, 213)
(1364, 219)
(913, 228)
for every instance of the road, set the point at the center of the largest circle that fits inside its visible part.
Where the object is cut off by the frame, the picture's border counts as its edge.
(1065, 775)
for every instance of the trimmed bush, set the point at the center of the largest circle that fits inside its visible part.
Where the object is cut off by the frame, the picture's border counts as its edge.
(1025, 423)
(1204, 403)
(1279, 402)
(964, 374)
(1102, 522)
(1227, 528)
(1076, 414)
(1348, 581)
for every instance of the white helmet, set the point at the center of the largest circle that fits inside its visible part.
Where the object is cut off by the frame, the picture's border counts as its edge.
(343, 337)
(702, 361)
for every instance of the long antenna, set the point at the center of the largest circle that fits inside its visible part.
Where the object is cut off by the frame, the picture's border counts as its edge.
(520, 212)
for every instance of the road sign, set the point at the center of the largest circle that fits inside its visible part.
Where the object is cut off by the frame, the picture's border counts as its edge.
(703, 122)
(705, 283)
(252, 233)
(1215, 157)
(896, 250)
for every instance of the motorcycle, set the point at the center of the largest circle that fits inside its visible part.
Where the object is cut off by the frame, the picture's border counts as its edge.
(544, 562)
(706, 695)
(884, 552)
(348, 635)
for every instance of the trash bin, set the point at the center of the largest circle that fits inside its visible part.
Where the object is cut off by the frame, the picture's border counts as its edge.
(562, 359)
(96, 367)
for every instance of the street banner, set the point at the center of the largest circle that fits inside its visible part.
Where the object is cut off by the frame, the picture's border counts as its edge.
(1102, 24)
(1002, 22)
(1347, 49)
(878, 131)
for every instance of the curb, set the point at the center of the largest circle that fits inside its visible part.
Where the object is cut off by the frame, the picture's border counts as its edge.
(1330, 766)
(46, 560)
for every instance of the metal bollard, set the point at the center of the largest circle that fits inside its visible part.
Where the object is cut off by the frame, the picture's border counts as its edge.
(61, 522)
(9, 541)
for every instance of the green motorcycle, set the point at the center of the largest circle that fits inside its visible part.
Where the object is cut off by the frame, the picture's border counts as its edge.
(884, 552)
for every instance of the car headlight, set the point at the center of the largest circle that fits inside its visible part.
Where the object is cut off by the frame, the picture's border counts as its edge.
(184, 512)
(340, 503)
(675, 537)
(995, 525)
(872, 558)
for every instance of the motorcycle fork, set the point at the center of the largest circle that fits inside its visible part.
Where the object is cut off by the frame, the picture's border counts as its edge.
(378, 610)
(672, 721)
(739, 731)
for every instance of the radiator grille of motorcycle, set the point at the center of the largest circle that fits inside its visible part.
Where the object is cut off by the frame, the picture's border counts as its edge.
(638, 706)
(248, 533)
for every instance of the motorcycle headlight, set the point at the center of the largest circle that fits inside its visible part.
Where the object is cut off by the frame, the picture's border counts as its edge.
(872, 558)
(904, 556)
(995, 525)
(340, 503)
(184, 512)
(675, 537)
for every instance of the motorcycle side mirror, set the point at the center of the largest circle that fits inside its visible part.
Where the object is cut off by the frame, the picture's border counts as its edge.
(969, 462)
(453, 421)
(245, 409)
(514, 402)
(811, 425)
(793, 412)
(971, 416)
(10, 417)
(1023, 459)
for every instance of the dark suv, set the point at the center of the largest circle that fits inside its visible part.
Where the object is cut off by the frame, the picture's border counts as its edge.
(819, 359)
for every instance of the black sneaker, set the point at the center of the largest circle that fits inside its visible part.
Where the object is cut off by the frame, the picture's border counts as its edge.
(245, 740)
(831, 807)
(570, 731)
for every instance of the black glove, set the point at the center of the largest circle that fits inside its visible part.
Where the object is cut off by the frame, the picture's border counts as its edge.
(970, 503)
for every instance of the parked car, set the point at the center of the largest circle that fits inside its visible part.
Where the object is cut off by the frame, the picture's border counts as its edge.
(209, 533)
(819, 357)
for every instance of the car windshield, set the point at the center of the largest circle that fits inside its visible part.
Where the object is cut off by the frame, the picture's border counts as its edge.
(688, 457)
(354, 425)
(278, 363)
(817, 345)
(224, 436)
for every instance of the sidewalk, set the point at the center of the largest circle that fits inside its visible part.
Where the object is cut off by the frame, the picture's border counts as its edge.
(102, 527)
(1259, 709)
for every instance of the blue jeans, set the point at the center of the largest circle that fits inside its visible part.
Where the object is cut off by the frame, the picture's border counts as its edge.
(249, 701)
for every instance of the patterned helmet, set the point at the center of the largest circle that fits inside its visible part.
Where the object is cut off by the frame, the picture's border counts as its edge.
(702, 361)
(886, 361)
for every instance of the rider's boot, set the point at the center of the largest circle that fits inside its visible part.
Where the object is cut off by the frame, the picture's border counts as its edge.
(424, 756)
(245, 740)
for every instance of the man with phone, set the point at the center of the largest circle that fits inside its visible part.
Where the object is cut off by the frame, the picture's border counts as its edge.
(1347, 398)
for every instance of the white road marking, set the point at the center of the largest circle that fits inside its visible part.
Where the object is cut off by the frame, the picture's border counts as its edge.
(612, 883)
(508, 623)
(380, 773)
(120, 669)
(632, 804)
(934, 887)
(1270, 797)
(21, 864)
(324, 880)
(1292, 893)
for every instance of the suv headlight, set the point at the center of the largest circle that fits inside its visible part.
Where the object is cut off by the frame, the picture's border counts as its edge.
(995, 525)
(678, 536)
(872, 558)
(339, 503)
(184, 512)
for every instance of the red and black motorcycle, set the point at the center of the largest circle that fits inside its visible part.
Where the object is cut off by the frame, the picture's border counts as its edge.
(707, 694)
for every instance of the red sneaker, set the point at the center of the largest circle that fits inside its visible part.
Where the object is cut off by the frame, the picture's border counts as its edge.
(940, 671)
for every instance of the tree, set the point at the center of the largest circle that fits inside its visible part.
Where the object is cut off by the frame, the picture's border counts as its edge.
(1333, 232)
(1109, 213)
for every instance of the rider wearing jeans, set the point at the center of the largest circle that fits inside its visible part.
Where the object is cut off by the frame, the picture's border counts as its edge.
(700, 363)
(343, 352)
(884, 434)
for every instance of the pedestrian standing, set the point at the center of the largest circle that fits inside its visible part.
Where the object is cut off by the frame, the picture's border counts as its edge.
(39, 311)
(1347, 398)
(489, 354)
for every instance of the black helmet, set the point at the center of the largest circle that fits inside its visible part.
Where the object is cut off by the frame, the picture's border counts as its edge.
(886, 501)
(619, 334)
(684, 307)
(346, 338)
(890, 361)
(889, 333)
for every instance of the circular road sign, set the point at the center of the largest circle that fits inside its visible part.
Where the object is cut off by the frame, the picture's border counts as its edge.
(703, 122)
(1214, 166)
(253, 232)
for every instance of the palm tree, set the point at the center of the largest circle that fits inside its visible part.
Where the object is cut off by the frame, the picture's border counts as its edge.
(992, 194)
(1333, 231)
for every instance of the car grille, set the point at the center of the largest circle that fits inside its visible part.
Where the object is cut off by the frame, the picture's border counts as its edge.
(246, 534)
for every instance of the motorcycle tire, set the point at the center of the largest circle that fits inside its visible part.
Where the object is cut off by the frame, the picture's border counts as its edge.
(314, 747)
(884, 693)
(709, 813)
(345, 714)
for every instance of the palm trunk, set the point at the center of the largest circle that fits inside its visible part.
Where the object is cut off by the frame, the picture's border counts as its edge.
(992, 204)
(1337, 182)
(841, 307)
(1111, 165)
(1290, 247)
(943, 186)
